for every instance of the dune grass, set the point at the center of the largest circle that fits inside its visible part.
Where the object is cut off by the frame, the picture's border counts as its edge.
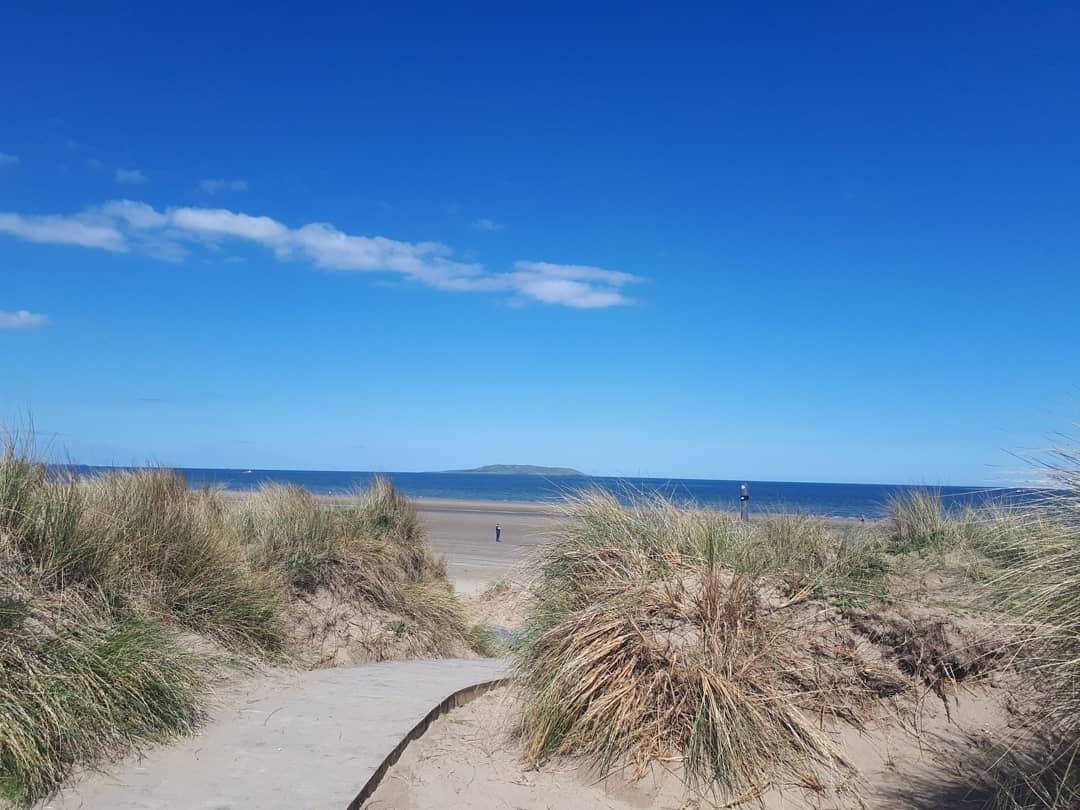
(163, 546)
(86, 690)
(483, 640)
(920, 523)
(1041, 586)
(658, 631)
(1029, 557)
(371, 550)
(107, 580)
(843, 561)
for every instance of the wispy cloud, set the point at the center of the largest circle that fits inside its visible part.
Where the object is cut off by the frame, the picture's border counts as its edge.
(130, 176)
(123, 225)
(485, 224)
(572, 285)
(212, 185)
(8, 160)
(22, 319)
(61, 230)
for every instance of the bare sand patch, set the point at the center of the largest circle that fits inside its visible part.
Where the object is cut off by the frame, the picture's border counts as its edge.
(919, 756)
(464, 533)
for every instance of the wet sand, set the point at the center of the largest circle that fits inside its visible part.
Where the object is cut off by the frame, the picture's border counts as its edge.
(464, 532)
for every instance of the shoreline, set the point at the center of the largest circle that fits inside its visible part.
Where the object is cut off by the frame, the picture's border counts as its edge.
(556, 508)
(457, 505)
(488, 507)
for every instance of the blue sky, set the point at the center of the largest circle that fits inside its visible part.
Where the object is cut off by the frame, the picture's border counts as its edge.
(784, 242)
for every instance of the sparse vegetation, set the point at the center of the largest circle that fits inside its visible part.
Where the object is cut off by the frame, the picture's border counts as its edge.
(660, 632)
(484, 642)
(371, 551)
(919, 523)
(106, 582)
(497, 587)
(1040, 584)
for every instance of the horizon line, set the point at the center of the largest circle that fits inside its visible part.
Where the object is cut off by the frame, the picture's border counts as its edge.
(970, 487)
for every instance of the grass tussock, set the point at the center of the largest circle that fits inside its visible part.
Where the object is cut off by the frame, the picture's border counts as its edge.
(920, 523)
(101, 578)
(484, 641)
(371, 552)
(164, 552)
(659, 632)
(1041, 587)
(77, 688)
(844, 561)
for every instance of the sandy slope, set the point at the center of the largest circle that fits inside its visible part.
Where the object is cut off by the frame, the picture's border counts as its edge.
(469, 759)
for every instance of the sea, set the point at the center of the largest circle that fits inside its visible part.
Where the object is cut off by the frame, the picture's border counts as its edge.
(832, 500)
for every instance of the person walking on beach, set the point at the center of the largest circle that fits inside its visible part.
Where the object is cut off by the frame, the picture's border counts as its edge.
(498, 533)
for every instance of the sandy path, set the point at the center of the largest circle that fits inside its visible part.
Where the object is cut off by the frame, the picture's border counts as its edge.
(464, 532)
(283, 741)
(303, 740)
(470, 759)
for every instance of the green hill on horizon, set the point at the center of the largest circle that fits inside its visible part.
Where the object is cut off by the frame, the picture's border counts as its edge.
(522, 469)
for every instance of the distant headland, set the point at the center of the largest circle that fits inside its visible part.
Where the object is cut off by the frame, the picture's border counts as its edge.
(523, 469)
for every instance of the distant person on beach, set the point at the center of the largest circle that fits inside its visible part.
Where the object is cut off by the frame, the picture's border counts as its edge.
(498, 533)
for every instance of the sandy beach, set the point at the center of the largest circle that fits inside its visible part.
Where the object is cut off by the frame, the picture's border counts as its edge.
(464, 532)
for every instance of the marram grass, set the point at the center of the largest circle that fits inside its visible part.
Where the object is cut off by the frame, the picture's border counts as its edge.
(653, 636)
(1041, 586)
(650, 639)
(104, 579)
(84, 690)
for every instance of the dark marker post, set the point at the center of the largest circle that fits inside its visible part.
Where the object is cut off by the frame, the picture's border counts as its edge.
(744, 501)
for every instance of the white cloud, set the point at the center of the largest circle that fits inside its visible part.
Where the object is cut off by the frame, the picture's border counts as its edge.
(135, 214)
(572, 285)
(22, 319)
(9, 160)
(570, 293)
(214, 223)
(577, 272)
(60, 230)
(212, 185)
(485, 224)
(120, 225)
(130, 176)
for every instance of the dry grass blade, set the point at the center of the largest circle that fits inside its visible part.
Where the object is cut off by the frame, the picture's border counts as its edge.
(1041, 585)
(644, 643)
(98, 574)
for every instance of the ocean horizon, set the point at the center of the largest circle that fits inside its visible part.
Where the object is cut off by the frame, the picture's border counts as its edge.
(820, 498)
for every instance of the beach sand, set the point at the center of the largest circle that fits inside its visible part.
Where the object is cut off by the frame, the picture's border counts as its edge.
(464, 533)
(471, 759)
